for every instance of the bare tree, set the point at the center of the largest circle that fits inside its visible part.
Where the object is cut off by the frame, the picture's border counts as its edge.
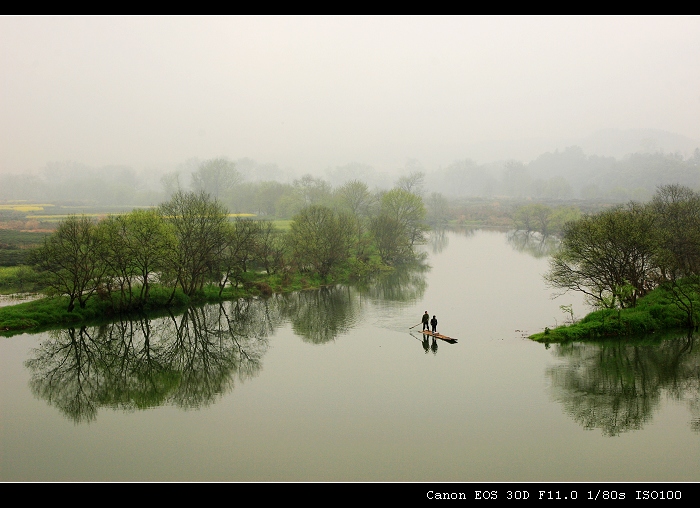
(217, 177)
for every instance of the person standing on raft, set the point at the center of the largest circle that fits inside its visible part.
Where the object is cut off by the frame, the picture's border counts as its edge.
(426, 318)
(433, 323)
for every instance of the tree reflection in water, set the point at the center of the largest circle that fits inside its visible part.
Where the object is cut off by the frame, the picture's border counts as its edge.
(188, 360)
(438, 240)
(403, 285)
(532, 243)
(320, 316)
(191, 360)
(616, 386)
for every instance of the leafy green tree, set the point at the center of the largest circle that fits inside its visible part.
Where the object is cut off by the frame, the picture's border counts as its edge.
(241, 238)
(399, 225)
(305, 191)
(267, 197)
(198, 223)
(136, 246)
(523, 219)
(542, 215)
(602, 255)
(320, 239)
(71, 260)
(269, 248)
(676, 210)
(543, 219)
(355, 197)
(150, 239)
(561, 216)
(390, 238)
(677, 213)
(408, 211)
(121, 272)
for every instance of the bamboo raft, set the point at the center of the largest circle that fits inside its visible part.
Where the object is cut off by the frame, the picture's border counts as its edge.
(439, 336)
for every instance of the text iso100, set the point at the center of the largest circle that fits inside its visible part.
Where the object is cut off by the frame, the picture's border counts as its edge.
(643, 495)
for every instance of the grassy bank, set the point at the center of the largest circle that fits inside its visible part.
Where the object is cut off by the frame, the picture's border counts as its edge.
(51, 312)
(654, 313)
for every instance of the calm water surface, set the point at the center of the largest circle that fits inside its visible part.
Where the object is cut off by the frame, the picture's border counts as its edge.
(331, 386)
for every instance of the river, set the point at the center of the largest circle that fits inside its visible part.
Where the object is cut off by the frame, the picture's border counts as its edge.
(338, 385)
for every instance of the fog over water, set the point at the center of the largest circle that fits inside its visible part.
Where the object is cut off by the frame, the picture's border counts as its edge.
(310, 94)
(490, 120)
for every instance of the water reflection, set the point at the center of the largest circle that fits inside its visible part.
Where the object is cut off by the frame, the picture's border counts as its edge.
(426, 344)
(438, 240)
(467, 232)
(533, 243)
(192, 359)
(320, 316)
(431, 345)
(617, 386)
(404, 285)
(188, 360)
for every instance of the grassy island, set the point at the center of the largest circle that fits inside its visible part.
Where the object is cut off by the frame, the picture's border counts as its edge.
(639, 264)
(658, 311)
(52, 311)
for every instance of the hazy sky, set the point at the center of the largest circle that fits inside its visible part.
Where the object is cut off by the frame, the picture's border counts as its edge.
(314, 92)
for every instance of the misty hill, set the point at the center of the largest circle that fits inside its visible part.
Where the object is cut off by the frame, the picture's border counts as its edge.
(616, 143)
(614, 165)
(619, 143)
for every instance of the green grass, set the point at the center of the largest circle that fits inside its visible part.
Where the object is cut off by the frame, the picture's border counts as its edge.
(52, 312)
(44, 314)
(654, 313)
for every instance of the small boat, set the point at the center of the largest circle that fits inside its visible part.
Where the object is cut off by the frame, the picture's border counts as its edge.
(439, 336)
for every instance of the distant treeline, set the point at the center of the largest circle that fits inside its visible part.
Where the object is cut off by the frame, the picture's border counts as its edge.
(245, 185)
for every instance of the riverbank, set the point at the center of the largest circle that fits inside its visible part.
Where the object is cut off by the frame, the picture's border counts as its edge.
(656, 312)
(48, 312)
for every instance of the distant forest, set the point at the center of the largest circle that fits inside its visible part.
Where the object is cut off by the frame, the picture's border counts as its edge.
(246, 186)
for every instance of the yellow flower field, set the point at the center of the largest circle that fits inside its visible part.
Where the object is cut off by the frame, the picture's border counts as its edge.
(24, 207)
